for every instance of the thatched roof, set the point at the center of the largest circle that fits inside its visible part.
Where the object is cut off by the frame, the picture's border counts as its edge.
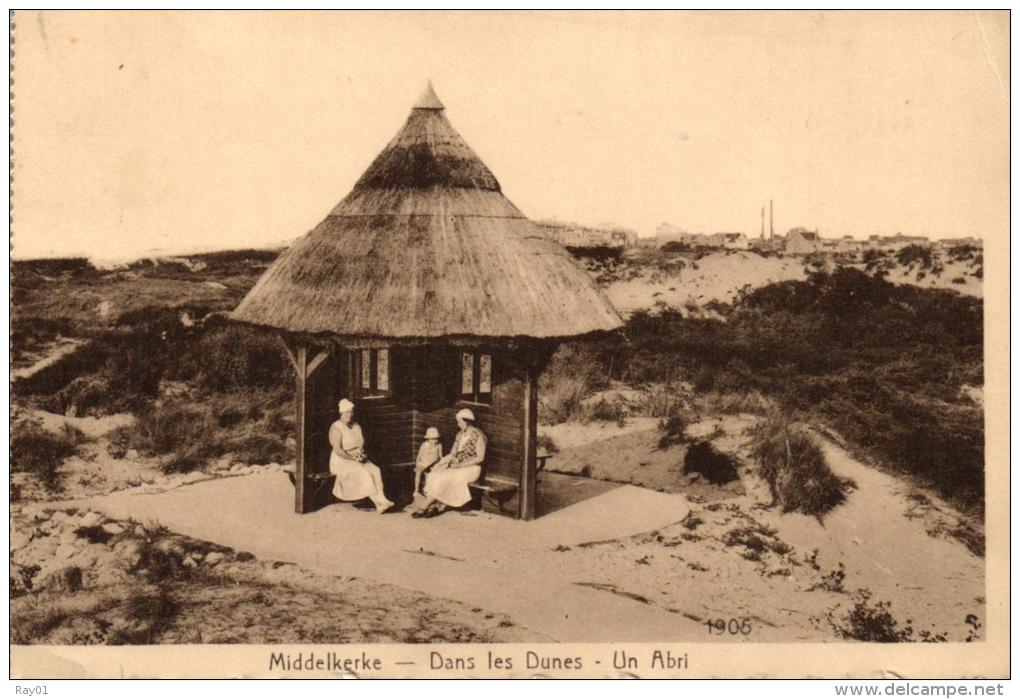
(426, 246)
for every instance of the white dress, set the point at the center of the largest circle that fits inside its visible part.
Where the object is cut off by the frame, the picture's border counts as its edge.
(352, 480)
(450, 485)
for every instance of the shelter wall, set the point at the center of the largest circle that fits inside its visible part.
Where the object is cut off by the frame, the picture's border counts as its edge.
(387, 422)
(436, 399)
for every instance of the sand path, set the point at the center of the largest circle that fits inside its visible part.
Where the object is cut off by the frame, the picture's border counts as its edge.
(485, 560)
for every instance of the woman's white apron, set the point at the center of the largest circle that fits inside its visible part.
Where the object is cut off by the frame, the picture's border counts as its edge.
(352, 480)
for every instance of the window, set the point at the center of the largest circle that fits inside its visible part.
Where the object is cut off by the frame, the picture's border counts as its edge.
(372, 372)
(476, 377)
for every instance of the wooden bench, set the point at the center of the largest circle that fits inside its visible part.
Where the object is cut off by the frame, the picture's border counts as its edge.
(541, 457)
(493, 494)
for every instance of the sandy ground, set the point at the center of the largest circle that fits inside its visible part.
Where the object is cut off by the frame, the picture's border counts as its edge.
(80, 578)
(714, 277)
(676, 553)
(29, 364)
(486, 561)
(723, 276)
(888, 538)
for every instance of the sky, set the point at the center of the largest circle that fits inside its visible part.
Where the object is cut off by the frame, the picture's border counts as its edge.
(137, 132)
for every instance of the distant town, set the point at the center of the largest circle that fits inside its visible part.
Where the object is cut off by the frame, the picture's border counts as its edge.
(797, 240)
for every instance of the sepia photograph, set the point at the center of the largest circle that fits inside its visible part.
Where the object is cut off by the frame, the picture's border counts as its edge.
(509, 344)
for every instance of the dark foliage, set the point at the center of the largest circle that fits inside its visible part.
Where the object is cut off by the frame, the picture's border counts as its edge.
(795, 468)
(234, 357)
(36, 450)
(599, 253)
(921, 254)
(882, 364)
(715, 466)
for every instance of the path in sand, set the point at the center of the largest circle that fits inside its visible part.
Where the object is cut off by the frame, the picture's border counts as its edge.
(485, 560)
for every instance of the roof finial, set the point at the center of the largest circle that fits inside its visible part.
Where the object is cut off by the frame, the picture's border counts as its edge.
(428, 99)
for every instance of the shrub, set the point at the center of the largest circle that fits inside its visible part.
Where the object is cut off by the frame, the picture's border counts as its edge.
(603, 410)
(793, 465)
(547, 444)
(234, 357)
(259, 449)
(915, 253)
(574, 373)
(665, 401)
(736, 402)
(596, 252)
(85, 395)
(36, 450)
(716, 467)
(871, 623)
(169, 426)
(674, 431)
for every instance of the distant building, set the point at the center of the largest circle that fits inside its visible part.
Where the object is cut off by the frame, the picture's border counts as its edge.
(578, 236)
(802, 241)
(896, 242)
(668, 233)
(946, 243)
(735, 241)
(847, 244)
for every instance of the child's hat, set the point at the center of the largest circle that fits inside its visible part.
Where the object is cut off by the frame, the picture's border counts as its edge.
(432, 433)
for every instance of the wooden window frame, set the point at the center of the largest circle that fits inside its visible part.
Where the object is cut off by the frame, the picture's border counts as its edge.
(474, 396)
(372, 391)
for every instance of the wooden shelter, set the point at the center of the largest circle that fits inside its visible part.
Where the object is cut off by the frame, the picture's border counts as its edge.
(425, 290)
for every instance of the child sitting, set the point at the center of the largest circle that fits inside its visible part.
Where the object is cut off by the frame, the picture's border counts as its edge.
(431, 451)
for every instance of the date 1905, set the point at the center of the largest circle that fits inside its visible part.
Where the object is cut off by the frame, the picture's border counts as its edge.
(734, 627)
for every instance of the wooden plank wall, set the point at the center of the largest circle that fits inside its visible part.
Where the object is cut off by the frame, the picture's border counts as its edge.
(387, 423)
(435, 384)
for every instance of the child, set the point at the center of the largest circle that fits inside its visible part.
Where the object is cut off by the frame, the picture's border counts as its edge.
(430, 452)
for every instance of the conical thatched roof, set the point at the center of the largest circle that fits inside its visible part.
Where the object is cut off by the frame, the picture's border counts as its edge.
(426, 246)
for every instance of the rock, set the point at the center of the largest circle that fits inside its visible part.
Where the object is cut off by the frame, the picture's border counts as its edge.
(19, 539)
(65, 552)
(90, 519)
(64, 579)
(42, 516)
(189, 562)
(68, 537)
(213, 557)
(113, 528)
(237, 468)
(108, 575)
(244, 556)
(131, 454)
(128, 553)
(139, 530)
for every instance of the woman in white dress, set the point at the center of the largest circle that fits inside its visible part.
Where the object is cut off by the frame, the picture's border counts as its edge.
(447, 484)
(357, 478)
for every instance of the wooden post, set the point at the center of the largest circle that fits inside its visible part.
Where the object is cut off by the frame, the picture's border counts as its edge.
(529, 465)
(315, 371)
(300, 424)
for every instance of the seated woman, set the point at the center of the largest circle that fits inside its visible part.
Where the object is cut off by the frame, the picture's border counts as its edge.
(447, 484)
(356, 477)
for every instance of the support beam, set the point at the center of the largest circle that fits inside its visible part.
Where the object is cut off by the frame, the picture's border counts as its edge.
(300, 423)
(291, 355)
(314, 364)
(529, 463)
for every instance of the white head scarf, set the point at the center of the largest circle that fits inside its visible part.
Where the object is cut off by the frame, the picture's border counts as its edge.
(345, 406)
